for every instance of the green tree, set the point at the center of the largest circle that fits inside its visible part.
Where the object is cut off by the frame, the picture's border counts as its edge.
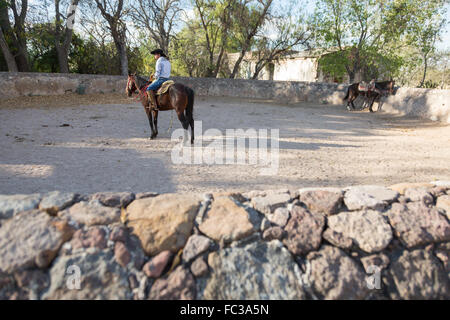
(368, 34)
(13, 38)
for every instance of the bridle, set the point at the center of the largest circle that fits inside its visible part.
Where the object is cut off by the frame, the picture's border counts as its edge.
(132, 80)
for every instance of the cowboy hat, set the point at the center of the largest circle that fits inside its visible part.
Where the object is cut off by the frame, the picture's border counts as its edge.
(158, 51)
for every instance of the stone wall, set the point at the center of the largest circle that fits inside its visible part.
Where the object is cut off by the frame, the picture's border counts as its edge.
(14, 85)
(362, 242)
(423, 103)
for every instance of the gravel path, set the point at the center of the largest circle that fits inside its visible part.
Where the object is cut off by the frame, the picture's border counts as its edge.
(105, 147)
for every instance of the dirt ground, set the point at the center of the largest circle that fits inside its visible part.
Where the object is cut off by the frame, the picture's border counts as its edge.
(94, 143)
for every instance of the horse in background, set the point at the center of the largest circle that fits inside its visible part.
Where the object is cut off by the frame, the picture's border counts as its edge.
(380, 89)
(178, 97)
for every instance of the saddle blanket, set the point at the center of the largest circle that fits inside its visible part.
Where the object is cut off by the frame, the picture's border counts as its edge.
(164, 87)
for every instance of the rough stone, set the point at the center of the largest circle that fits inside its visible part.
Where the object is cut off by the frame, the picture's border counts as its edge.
(121, 253)
(9, 290)
(195, 245)
(334, 275)
(304, 231)
(379, 260)
(114, 199)
(178, 285)
(443, 202)
(164, 222)
(402, 187)
(322, 201)
(27, 240)
(337, 239)
(133, 245)
(132, 280)
(442, 252)
(101, 278)
(416, 224)
(32, 282)
(91, 213)
(235, 195)
(94, 237)
(369, 197)
(143, 195)
(437, 191)
(419, 194)
(155, 267)
(254, 193)
(55, 201)
(10, 205)
(367, 228)
(226, 221)
(265, 224)
(417, 275)
(118, 233)
(258, 271)
(273, 233)
(199, 268)
(267, 204)
(280, 217)
(445, 184)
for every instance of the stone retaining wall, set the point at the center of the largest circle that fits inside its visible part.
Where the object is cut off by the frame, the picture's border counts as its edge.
(423, 103)
(362, 242)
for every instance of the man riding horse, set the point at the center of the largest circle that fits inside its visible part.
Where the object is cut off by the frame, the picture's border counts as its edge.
(162, 74)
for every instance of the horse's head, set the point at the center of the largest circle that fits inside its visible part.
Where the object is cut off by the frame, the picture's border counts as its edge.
(131, 85)
(391, 86)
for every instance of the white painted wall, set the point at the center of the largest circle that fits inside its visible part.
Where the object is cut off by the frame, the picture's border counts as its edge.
(297, 69)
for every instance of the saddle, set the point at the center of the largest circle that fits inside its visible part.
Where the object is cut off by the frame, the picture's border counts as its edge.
(164, 87)
(364, 86)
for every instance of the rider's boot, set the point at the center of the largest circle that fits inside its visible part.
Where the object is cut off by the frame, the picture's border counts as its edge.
(151, 95)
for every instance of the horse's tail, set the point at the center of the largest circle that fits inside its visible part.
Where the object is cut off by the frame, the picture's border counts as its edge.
(190, 104)
(348, 92)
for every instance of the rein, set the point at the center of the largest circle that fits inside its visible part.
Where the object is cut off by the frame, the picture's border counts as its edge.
(141, 90)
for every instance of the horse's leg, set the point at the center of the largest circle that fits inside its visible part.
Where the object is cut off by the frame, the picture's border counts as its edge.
(184, 123)
(191, 123)
(380, 104)
(149, 116)
(155, 121)
(371, 104)
(349, 100)
(190, 119)
(352, 98)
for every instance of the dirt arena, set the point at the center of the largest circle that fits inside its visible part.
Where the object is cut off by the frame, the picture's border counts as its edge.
(87, 144)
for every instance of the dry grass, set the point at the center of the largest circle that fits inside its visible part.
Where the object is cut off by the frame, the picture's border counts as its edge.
(67, 100)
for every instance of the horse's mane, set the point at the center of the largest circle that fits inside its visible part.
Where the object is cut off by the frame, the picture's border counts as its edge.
(141, 81)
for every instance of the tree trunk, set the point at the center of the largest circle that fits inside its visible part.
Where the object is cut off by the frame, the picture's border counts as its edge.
(63, 59)
(63, 37)
(118, 32)
(16, 41)
(425, 67)
(10, 61)
(238, 63)
(122, 50)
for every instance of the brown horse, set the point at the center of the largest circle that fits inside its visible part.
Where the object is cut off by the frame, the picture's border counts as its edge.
(384, 88)
(179, 98)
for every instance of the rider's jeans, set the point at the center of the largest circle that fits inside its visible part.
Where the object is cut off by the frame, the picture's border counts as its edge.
(157, 84)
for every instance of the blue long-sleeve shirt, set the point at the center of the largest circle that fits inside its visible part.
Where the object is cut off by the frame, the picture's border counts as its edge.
(163, 68)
